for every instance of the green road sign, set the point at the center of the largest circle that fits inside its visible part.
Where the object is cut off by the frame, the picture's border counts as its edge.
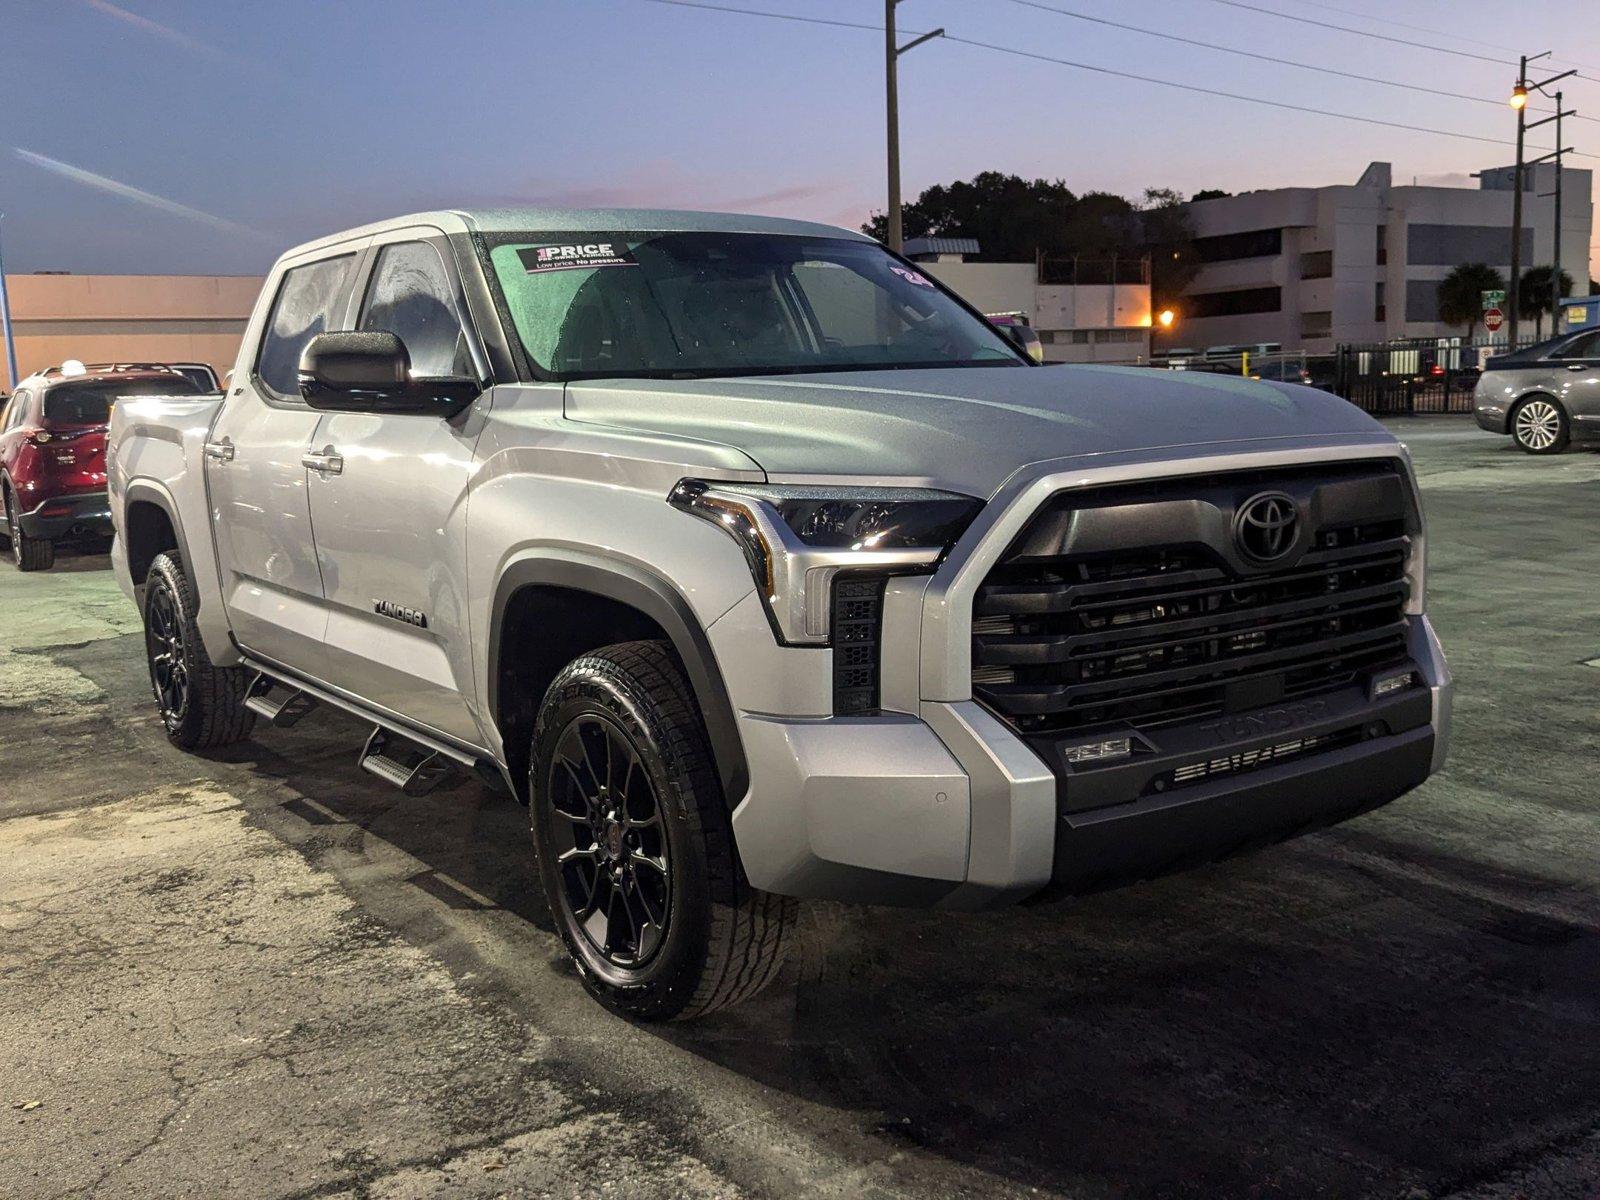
(1493, 299)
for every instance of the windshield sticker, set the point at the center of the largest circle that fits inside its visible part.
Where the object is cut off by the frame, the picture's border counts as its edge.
(910, 276)
(575, 256)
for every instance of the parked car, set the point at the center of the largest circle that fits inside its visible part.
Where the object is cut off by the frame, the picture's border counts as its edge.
(762, 568)
(52, 454)
(1546, 396)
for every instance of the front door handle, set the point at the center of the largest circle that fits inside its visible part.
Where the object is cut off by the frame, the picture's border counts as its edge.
(219, 451)
(324, 461)
(1577, 366)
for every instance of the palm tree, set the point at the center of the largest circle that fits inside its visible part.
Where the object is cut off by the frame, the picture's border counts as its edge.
(1461, 293)
(1533, 298)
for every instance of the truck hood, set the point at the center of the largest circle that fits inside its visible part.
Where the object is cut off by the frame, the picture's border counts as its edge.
(965, 429)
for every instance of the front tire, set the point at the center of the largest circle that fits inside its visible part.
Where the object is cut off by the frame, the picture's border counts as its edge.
(635, 845)
(28, 553)
(1539, 426)
(202, 705)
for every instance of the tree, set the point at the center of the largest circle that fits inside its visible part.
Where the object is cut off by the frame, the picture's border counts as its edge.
(1461, 293)
(1533, 297)
(1018, 220)
(1209, 194)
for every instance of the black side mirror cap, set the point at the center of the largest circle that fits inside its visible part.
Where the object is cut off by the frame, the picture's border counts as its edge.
(370, 371)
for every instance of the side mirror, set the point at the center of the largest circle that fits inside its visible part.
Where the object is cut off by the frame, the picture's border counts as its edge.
(371, 372)
(1024, 338)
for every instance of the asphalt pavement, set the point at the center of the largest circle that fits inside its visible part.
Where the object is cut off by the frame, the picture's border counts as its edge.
(266, 974)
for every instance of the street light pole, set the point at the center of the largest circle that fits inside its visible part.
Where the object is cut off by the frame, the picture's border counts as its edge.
(891, 75)
(1519, 93)
(1519, 101)
(5, 326)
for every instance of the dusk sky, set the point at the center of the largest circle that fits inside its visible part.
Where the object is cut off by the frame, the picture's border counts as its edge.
(169, 136)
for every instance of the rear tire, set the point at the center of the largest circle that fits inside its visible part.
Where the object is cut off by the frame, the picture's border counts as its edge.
(29, 553)
(635, 845)
(1539, 425)
(202, 705)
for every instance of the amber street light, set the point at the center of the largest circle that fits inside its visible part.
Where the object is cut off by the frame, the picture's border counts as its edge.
(1519, 97)
(1165, 318)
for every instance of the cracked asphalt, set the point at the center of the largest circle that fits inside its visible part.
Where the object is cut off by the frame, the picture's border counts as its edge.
(265, 974)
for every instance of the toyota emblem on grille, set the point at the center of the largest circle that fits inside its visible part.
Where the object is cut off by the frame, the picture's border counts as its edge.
(1267, 526)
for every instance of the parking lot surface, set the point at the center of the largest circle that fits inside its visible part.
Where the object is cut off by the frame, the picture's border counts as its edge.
(267, 974)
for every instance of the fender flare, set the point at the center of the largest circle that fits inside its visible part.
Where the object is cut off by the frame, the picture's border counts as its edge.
(659, 600)
(148, 491)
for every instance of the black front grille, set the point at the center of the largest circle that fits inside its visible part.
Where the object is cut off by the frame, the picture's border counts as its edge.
(857, 631)
(1132, 605)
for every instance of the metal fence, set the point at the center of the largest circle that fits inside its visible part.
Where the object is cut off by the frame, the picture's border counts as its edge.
(1420, 375)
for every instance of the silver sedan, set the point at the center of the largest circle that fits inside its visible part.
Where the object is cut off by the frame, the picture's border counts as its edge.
(1547, 396)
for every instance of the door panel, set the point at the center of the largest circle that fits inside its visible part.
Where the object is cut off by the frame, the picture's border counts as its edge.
(262, 516)
(390, 530)
(256, 479)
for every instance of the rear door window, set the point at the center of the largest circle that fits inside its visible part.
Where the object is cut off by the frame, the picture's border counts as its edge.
(307, 300)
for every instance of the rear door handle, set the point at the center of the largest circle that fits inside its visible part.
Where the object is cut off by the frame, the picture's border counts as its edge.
(323, 462)
(219, 451)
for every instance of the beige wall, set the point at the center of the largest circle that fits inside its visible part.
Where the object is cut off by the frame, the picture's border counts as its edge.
(128, 318)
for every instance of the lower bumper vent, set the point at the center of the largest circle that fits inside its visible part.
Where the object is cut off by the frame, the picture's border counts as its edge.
(1249, 760)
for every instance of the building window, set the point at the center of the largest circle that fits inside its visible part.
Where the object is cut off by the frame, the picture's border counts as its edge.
(1104, 336)
(1236, 304)
(1318, 264)
(1379, 310)
(1080, 337)
(1451, 245)
(1253, 243)
(1382, 257)
(1316, 325)
(1047, 337)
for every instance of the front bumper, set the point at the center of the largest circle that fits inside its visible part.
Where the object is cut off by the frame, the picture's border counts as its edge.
(87, 514)
(951, 808)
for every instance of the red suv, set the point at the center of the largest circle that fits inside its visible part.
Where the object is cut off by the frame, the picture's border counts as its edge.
(53, 453)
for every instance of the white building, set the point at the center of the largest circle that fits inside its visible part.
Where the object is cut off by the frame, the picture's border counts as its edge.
(1312, 267)
(1082, 322)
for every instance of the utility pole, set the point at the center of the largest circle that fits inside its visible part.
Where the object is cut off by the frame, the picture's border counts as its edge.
(5, 326)
(1519, 101)
(1555, 253)
(891, 74)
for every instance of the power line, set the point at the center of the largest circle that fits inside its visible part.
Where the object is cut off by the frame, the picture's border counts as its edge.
(751, 12)
(1269, 58)
(1455, 37)
(1367, 33)
(1081, 66)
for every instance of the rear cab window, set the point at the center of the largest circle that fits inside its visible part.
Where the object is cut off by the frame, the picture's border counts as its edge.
(89, 403)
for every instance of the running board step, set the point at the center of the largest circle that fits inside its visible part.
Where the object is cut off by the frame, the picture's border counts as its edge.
(278, 713)
(415, 770)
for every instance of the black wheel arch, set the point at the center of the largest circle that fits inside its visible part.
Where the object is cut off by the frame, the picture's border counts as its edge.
(615, 601)
(150, 526)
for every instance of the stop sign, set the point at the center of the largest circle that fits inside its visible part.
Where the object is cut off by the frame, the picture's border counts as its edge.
(1493, 319)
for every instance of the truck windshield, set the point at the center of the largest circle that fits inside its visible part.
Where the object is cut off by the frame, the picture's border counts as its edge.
(687, 305)
(90, 403)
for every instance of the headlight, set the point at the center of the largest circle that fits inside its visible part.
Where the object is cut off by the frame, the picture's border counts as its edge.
(797, 538)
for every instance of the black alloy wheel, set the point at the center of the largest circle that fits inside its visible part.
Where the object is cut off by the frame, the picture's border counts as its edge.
(634, 842)
(164, 644)
(611, 842)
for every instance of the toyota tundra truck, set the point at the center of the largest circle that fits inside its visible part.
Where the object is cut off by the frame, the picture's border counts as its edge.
(760, 566)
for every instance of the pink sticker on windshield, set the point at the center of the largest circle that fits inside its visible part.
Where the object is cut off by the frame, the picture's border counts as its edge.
(911, 276)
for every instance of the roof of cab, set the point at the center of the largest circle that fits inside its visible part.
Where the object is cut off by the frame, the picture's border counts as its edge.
(585, 220)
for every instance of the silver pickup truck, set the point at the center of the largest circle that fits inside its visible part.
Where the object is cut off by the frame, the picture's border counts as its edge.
(760, 566)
